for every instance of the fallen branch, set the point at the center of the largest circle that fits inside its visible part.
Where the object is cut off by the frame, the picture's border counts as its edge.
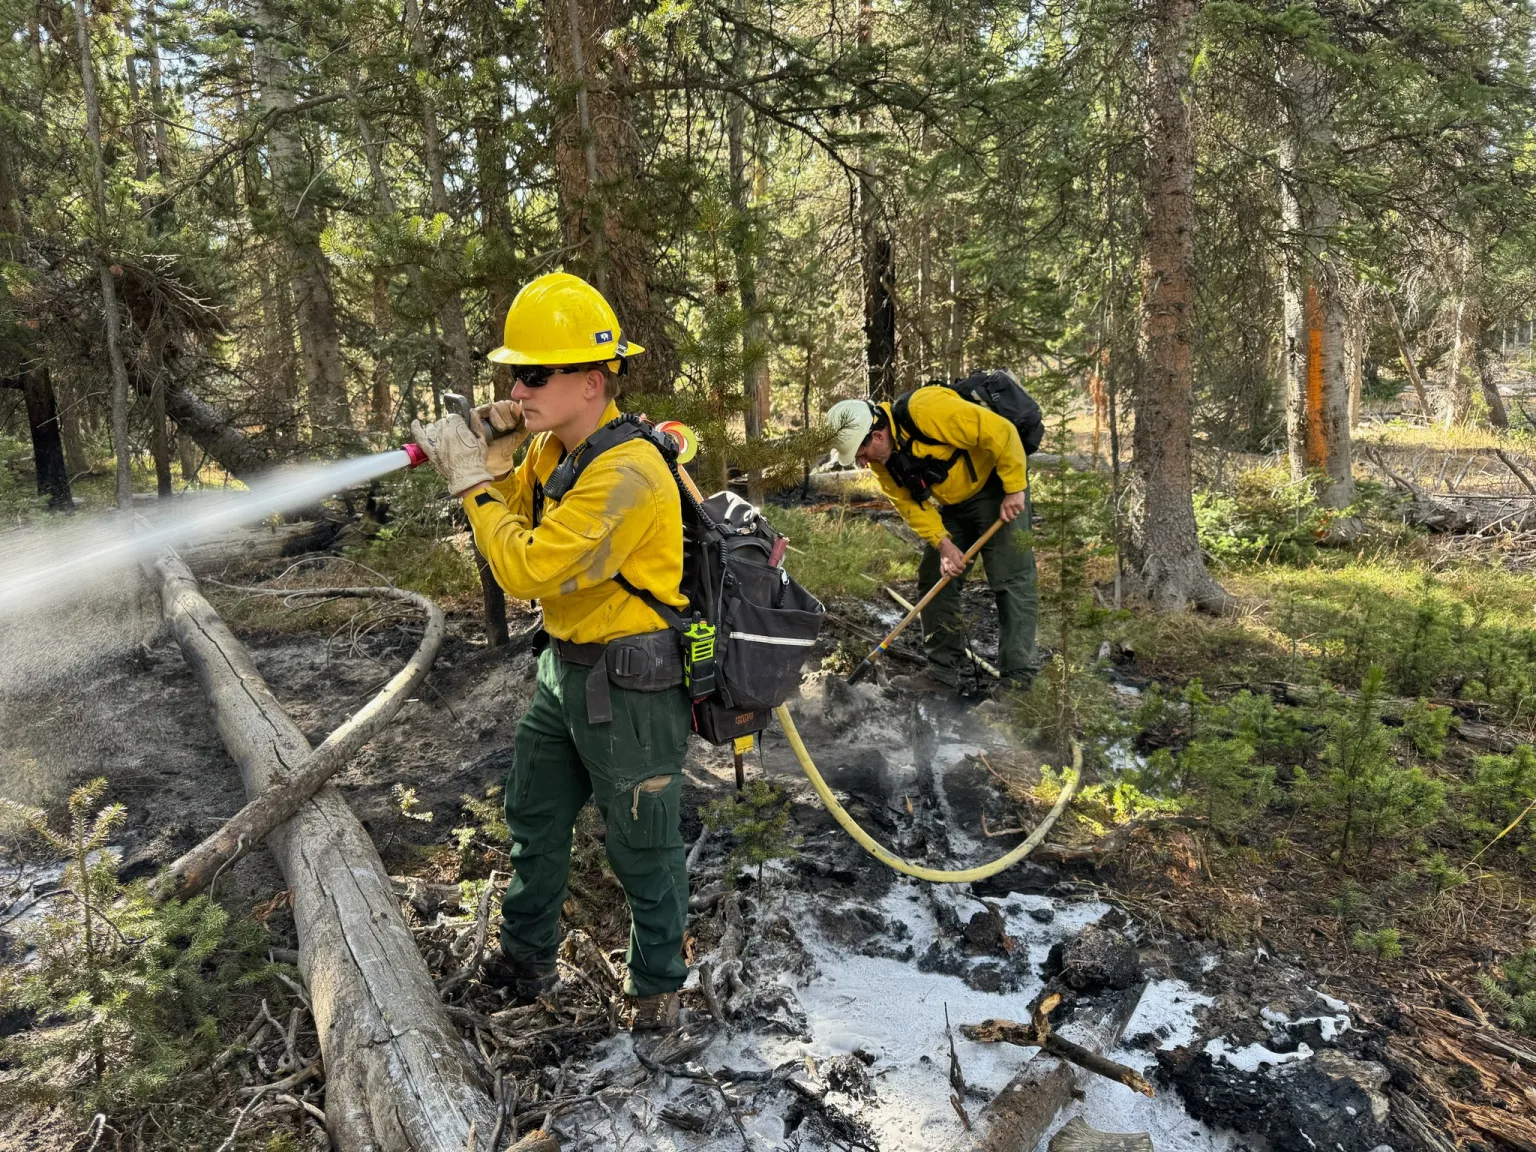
(1038, 1034)
(247, 828)
(1520, 475)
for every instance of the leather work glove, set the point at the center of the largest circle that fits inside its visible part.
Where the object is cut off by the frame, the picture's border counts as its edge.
(505, 419)
(454, 450)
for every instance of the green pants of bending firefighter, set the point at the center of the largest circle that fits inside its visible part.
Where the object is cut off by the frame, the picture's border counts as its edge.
(1010, 562)
(632, 767)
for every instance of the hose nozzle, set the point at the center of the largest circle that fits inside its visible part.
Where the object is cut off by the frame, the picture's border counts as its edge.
(415, 454)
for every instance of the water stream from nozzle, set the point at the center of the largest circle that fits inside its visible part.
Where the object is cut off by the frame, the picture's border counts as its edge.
(44, 565)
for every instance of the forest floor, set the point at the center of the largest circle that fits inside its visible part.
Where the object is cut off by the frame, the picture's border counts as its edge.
(1264, 1017)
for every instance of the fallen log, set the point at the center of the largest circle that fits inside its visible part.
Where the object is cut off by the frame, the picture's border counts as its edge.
(398, 1077)
(196, 869)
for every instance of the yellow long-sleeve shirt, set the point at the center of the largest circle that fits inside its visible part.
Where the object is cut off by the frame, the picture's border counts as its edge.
(993, 444)
(623, 515)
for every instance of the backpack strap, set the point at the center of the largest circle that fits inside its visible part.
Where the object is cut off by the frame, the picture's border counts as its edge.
(901, 417)
(652, 601)
(620, 431)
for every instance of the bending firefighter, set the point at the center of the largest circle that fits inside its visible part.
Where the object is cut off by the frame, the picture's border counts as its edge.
(952, 468)
(609, 717)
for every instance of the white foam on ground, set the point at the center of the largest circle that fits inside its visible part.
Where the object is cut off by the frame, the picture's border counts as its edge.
(1252, 1057)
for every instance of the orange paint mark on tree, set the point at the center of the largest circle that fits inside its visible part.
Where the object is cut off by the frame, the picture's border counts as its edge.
(1316, 440)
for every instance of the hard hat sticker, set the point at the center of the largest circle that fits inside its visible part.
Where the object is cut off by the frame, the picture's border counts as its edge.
(604, 337)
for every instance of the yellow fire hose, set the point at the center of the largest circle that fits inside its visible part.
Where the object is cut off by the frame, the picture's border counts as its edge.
(890, 859)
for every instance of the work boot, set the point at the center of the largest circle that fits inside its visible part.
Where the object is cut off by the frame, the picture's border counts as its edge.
(923, 682)
(1020, 682)
(654, 1013)
(523, 983)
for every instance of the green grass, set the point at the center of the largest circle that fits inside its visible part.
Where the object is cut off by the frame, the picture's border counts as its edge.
(1401, 434)
(835, 554)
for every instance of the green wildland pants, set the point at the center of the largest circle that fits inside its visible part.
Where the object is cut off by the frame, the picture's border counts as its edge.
(632, 767)
(1010, 562)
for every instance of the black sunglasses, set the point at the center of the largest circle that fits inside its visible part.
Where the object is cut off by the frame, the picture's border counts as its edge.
(537, 375)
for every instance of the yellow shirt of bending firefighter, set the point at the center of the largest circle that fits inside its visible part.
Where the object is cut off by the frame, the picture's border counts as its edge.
(993, 444)
(623, 514)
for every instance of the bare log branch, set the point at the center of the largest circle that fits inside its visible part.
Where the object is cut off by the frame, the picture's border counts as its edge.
(196, 868)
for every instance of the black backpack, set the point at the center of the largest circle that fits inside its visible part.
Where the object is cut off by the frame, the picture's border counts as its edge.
(998, 391)
(748, 627)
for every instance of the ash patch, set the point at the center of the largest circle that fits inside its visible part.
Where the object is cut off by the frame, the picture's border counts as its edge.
(1328, 1100)
(1274, 1057)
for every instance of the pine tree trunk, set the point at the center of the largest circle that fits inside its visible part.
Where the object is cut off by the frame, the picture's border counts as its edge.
(1498, 414)
(1317, 385)
(109, 305)
(1409, 364)
(954, 337)
(754, 335)
(495, 211)
(381, 404)
(878, 255)
(1164, 545)
(458, 360)
(163, 161)
(596, 158)
(1461, 367)
(383, 316)
(330, 413)
(1354, 359)
(47, 445)
(399, 1078)
(34, 380)
(160, 447)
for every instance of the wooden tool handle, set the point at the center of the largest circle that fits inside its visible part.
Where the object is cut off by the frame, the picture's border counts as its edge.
(970, 554)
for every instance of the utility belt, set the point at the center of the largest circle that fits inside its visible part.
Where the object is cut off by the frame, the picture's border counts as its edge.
(652, 662)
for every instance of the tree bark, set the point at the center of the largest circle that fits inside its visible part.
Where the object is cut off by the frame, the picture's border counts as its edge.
(163, 161)
(1317, 385)
(1164, 544)
(1498, 414)
(1409, 365)
(494, 192)
(109, 307)
(878, 256)
(754, 336)
(1354, 360)
(398, 1077)
(47, 445)
(1019, 1115)
(330, 413)
(597, 155)
(224, 443)
(450, 312)
(1466, 332)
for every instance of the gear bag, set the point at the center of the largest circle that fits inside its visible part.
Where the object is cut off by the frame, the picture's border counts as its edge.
(748, 627)
(998, 391)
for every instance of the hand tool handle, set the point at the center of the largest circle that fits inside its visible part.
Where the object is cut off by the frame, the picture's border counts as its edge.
(868, 665)
(461, 406)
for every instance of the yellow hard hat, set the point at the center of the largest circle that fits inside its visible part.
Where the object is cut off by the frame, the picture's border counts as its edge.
(560, 319)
